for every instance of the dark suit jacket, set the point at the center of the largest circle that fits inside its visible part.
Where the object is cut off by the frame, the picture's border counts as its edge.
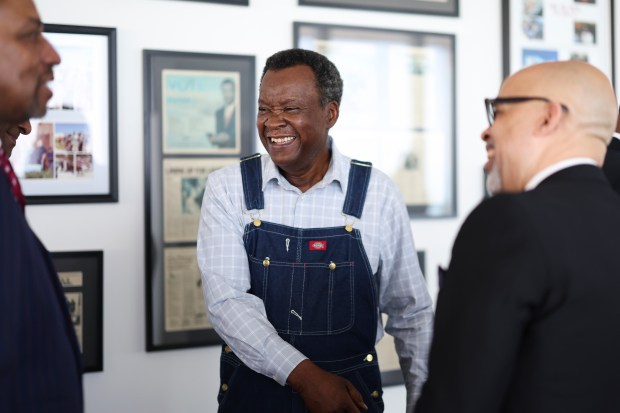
(229, 128)
(528, 319)
(611, 167)
(40, 361)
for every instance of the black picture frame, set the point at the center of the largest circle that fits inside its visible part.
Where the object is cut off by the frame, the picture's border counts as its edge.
(558, 30)
(439, 8)
(81, 276)
(184, 88)
(404, 95)
(71, 154)
(391, 375)
(230, 2)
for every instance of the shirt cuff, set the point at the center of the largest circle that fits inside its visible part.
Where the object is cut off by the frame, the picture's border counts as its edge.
(282, 359)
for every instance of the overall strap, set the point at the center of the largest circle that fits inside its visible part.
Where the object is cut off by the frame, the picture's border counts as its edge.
(359, 177)
(252, 177)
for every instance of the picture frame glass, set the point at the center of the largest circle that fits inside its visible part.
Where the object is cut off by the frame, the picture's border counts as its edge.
(436, 7)
(542, 30)
(199, 111)
(397, 113)
(81, 277)
(70, 154)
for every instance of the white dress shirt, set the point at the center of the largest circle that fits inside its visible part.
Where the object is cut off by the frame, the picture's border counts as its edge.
(556, 167)
(239, 317)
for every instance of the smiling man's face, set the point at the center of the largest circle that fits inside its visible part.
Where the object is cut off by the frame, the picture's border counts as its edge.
(292, 124)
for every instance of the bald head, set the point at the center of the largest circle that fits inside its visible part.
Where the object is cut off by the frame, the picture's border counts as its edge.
(563, 110)
(582, 88)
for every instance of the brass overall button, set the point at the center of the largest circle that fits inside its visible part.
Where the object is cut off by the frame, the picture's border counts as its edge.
(224, 387)
(257, 222)
(227, 349)
(369, 358)
(332, 266)
(266, 262)
(375, 394)
(348, 227)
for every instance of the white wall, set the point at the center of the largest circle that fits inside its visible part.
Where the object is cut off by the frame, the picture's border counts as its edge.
(179, 381)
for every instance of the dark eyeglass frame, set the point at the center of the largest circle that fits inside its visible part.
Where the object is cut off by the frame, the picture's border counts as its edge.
(491, 103)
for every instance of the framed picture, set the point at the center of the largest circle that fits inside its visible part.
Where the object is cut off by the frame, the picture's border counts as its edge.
(391, 375)
(397, 113)
(199, 111)
(81, 277)
(537, 31)
(234, 2)
(70, 155)
(437, 7)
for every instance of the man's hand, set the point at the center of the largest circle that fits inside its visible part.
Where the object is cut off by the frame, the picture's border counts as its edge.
(325, 392)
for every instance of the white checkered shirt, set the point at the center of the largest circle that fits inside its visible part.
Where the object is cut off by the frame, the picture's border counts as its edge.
(239, 317)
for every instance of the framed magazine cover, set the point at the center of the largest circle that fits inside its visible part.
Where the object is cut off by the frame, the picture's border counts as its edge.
(436, 7)
(81, 277)
(536, 31)
(70, 155)
(198, 117)
(397, 113)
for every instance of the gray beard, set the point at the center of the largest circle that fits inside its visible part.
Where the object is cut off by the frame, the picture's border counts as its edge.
(494, 180)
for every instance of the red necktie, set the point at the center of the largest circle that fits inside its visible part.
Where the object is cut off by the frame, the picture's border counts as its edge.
(6, 167)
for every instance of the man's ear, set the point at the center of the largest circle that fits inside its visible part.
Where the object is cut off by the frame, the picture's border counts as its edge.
(333, 111)
(553, 116)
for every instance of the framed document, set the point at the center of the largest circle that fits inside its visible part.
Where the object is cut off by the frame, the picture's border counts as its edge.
(199, 111)
(397, 113)
(437, 7)
(81, 277)
(537, 31)
(70, 155)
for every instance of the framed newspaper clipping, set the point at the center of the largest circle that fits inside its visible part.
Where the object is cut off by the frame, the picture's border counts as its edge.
(536, 31)
(70, 154)
(397, 113)
(81, 277)
(199, 111)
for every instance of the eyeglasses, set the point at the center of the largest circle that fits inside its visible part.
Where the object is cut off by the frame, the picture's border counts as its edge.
(491, 104)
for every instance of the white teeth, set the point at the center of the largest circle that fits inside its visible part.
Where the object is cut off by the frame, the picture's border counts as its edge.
(282, 140)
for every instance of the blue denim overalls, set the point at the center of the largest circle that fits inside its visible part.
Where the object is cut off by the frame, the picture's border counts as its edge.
(320, 295)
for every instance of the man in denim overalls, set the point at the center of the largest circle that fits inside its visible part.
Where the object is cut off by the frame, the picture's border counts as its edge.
(300, 251)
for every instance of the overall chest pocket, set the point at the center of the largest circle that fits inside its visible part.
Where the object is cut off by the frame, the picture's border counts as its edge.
(305, 299)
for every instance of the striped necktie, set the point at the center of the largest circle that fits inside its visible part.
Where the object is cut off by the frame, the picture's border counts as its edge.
(6, 167)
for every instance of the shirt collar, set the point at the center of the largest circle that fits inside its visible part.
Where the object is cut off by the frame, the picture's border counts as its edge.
(550, 170)
(337, 171)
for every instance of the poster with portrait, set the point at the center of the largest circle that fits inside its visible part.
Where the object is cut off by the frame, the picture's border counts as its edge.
(200, 112)
(184, 183)
(537, 31)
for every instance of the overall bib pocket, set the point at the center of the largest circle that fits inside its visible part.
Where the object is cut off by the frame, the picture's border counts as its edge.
(305, 298)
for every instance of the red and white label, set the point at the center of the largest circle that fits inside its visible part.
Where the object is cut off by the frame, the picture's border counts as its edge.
(318, 245)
